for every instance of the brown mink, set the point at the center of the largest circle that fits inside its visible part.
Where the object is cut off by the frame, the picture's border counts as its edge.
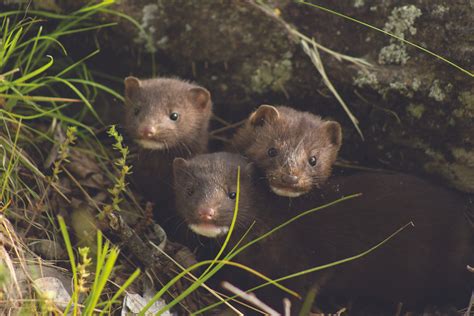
(294, 149)
(167, 118)
(422, 264)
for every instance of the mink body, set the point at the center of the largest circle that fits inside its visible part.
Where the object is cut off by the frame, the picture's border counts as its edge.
(423, 264)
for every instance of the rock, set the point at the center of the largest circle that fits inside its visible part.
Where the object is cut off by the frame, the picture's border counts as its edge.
(416, 111)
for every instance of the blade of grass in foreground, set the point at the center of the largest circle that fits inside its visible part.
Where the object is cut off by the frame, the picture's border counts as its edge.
(200, 281)
(389, 34)
(304, 272)
(229, 256)
(72, 260)
(232, 225)
(206, 275)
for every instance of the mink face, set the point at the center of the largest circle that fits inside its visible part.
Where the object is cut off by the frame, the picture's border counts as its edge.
(295, 150)
(206, 188)
(167, 114)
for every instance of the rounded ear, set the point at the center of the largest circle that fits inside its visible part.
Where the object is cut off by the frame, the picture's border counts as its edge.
(200, 97)
(333, 131)
(132, 85)
(264, 114)
(179, 164)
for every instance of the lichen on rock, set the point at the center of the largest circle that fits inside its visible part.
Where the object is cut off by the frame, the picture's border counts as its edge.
(437, 92)
(416, 110)
(399, 23)
(148, 30)
(272, 76)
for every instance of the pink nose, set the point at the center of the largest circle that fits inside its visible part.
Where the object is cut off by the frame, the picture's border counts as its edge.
(147, 132)
(206, 213)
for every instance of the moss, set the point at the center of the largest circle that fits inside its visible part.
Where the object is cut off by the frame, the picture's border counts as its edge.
(416, 84)
(462, 155)
(416, 110)
(437, 92)
(460, 176)
(369, 79)
(466, 110)
(271, 76)
(366, 78)
(399, 23)
(467, 99)
(439, 10)
(359, 3)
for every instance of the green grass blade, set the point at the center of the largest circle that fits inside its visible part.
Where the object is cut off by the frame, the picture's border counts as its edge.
(37, 13)
(232, 225)
(200, 281)
(304, 272)
(122, 289)
(77, 63)
(36, 72)
(99, 86)
(308, 302)
(470, 74)
(72, 260)
(81, 96)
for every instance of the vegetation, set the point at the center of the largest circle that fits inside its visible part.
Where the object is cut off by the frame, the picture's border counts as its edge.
(51, 145)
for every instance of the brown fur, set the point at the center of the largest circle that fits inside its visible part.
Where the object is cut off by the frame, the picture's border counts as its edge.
(423, 264)
(148, 105)
(296, 136)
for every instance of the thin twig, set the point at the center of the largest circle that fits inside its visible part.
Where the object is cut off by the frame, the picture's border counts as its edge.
(249, 297)
(220, 120)
(287, 306)
(225, 128)
(214, 293)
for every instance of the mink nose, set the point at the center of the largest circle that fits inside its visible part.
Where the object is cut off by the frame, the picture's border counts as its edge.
(290, 179)
(206, 213)
(147, 132)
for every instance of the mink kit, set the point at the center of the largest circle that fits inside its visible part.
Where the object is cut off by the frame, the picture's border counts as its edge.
(205, 187)
(167, 118)
(295, 150)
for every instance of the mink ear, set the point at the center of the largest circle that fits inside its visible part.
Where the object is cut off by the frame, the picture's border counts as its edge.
(264, 114)
(200, 97)
(179, 164)
(132, 85)
(334, 132)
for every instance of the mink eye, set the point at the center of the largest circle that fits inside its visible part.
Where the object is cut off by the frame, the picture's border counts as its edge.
(136, 110)
(232, 195)
(190, 191)
(174, 116)
(272, 152)
(312, 161)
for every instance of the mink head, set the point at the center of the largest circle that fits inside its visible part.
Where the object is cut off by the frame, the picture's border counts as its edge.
(294, 149)
(163, 114)
(206, 191)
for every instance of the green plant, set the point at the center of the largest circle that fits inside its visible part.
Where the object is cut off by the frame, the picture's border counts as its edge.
(104, 265)
(124, 170)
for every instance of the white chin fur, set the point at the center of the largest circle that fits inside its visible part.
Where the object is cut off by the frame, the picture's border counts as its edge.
(287, 193)
(209, 230)
(149, 144)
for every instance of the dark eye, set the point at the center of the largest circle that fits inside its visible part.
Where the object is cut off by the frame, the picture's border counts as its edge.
(174, 116)
(232, 195)
(312, 161)
(136, 110)
(272, 152)
(190, 191)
